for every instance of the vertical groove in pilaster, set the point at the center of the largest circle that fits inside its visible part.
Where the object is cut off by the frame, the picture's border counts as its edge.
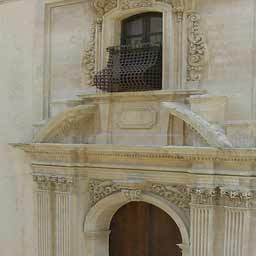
(63, 218)
(201, 229)
(234, 231)
(43, 224)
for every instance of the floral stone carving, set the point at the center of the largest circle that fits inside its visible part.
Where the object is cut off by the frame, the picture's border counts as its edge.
(196, 49)
(177, 194)
(88, 60)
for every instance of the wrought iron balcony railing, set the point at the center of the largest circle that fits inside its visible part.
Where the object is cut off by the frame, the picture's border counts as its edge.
(131, 68)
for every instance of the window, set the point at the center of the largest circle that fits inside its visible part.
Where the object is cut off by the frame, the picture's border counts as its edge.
(136, 65)
(142, 28)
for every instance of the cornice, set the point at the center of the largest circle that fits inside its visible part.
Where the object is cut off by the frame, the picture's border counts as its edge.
(68, 154)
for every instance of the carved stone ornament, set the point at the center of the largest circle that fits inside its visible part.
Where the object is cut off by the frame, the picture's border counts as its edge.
(177, 194)
(132, 194)
(236, 198)
(204, 195)
(56, 183)
(103, 6)
(129, 4)
(196, 49)
(100, 189)
(88, 60)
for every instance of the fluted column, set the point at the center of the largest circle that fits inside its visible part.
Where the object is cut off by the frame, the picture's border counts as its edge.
(43, 216)
(63, 189)
(202, 221)
(236, 207)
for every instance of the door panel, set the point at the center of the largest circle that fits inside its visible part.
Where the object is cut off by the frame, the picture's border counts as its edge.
(141, 229)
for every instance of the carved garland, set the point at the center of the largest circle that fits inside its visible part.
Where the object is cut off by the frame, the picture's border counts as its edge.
(196, 49)
(177, 194)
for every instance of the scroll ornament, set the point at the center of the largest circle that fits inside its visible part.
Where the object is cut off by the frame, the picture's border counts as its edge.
(196, 49)
(88, 60)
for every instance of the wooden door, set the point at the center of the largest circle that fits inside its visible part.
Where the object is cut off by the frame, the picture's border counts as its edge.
(141, 229)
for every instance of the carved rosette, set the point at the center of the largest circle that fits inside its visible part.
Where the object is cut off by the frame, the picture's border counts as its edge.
(196, 48)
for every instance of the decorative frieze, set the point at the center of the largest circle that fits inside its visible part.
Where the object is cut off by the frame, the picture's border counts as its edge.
(175, 193)
(196, 48)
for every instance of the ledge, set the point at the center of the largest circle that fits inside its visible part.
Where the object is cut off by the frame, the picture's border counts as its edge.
(142, 95)
(176, 152)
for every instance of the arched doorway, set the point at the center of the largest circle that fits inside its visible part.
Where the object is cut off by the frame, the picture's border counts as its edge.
(142, 229)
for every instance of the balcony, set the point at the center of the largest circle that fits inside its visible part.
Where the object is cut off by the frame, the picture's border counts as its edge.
(131, 68)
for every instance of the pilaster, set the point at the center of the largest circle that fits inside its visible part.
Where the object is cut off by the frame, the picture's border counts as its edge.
(43, 216)
(53, 198)
(63, 189)
(202, 221)
(237, 206)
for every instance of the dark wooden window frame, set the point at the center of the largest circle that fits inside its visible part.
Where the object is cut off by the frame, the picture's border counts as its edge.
(145, 26)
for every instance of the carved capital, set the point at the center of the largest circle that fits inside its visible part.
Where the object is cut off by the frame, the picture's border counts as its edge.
(237, 198)
(57, 183)
(43, 182)
(63, 184)
(204, 195)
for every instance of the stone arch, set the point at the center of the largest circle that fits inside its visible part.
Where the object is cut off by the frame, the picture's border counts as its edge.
(97, 221)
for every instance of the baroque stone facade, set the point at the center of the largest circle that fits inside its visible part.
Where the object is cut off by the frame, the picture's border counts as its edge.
(188, 149)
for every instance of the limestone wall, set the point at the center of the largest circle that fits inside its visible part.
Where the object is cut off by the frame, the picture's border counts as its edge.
(17, 117)
(229, 27)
